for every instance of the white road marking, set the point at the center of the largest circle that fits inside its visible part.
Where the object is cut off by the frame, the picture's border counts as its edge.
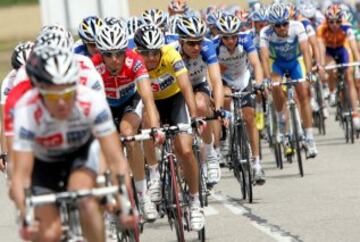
(266, 228)
(234, 209)
(210, 211)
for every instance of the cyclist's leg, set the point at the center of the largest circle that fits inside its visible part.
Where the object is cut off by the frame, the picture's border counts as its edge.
(332, 76)
(277, 91)
(83, 176)
(203, 105)
(90, 213)
(50, 223)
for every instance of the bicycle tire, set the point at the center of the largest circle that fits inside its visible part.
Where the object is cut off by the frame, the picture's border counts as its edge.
(278, 155)
(177, 214)
(296, 139)
(236, 163)
(245, 163)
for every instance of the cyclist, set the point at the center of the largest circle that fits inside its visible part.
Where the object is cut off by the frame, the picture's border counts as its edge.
(175, 101)
(60, 127)
(337, 44)
(87, 31)
(200, 59)
(284, 49)
(18, 58)
(127, 85)
(235, 51)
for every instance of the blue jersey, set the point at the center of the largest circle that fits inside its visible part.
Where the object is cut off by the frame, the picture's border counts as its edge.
(80, 48)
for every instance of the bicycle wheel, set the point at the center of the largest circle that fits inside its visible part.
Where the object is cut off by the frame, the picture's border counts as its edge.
(296, 128)
(348, 115)
(236, 163)
(245, 163)
(126, 235)
(177, 213)
(203, 203)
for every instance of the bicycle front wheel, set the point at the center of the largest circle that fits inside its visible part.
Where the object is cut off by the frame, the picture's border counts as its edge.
(296, 128)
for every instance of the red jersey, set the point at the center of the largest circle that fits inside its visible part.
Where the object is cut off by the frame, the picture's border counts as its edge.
(122, 87)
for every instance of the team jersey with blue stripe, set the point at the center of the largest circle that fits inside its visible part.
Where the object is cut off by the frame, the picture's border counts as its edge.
(287, 48)
(235, 66)
(198, 67)
(80, 48)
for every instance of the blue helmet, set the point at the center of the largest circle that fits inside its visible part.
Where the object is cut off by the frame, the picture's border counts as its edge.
(278, 13)
(259, 15)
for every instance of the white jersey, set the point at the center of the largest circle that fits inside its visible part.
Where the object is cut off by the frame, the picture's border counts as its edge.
(35, 130)
(197, 67)
(88, 75)
(283, 49)
(7, 85)
(235, 66)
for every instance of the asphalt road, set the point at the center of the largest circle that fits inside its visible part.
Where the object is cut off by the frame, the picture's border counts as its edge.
(324, 205)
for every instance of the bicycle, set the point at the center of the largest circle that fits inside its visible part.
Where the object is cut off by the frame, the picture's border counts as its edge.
(175, 202)
(240, 148)
(295, 136)
(343, 105)
(318, 115)
(66, 201)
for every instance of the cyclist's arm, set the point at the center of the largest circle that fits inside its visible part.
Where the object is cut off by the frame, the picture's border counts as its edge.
(145, 91)
(256, 64)
(23, 162)
(315, 49)
(304, 48)
(115, 159)
(187, 91)
(216, 84)
(322, 51)
(354, 49)
(265, 56)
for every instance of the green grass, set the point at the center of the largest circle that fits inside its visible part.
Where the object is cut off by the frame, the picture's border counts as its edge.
(12, 2)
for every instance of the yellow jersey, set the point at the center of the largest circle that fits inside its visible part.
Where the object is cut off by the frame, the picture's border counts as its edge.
(163, 77)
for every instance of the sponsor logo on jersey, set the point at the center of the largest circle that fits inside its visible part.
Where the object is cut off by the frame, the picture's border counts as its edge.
(83, 66)
(26, 134)
(83, 80)
(85, 107)
(129, 62)
(138, 65)
(76, 136)
(38, 114)
(51, 141)
(101, 68)
(96, 86)
(102, 117)
(179, 65)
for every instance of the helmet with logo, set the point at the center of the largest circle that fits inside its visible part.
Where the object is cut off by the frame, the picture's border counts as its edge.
(111, 38)
(149, 37)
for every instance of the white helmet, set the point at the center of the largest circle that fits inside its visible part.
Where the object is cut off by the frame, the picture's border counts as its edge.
(228, 24)
(154, 16)
(20, 54)
(111, 37)
(54, 66)
(191, 27)
(149, 37)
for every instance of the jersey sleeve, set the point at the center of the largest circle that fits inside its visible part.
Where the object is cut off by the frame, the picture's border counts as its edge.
(300, 31)
(264, 38)
(24, 134)
(175, 61)
(350, 34)
(101, 118)
(6, 86)
(248, 43)
(208, 52)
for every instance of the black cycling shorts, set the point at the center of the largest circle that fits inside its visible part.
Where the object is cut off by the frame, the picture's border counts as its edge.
(173, 110)
(131, 105)
(48, 177)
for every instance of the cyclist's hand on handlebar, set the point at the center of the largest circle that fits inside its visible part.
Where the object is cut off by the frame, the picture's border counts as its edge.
(223, 115)
(198, 124)
(28, 231)
(158, 136)
(311, 77)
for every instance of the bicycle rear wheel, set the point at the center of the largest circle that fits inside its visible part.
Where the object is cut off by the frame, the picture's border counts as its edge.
(296, 137)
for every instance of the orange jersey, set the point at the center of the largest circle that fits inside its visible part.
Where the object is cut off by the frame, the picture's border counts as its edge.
(336, 39)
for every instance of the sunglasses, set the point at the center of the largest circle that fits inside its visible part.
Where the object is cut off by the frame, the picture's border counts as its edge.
(285, 24)
(53, 96)
(334, 21)
(228, 37)
(149, 52)
(117, 54)
(193, 43)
